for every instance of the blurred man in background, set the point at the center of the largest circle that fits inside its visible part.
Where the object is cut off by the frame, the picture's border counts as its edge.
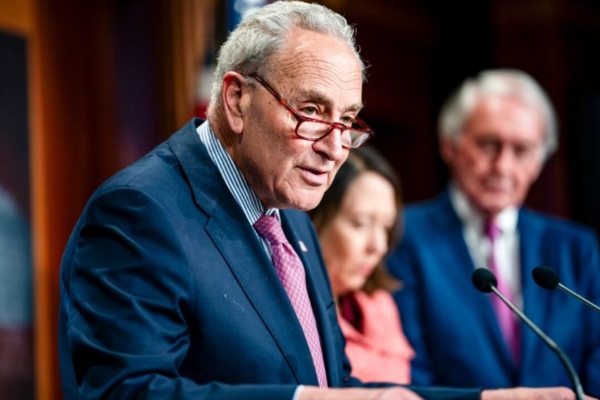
(496, 132)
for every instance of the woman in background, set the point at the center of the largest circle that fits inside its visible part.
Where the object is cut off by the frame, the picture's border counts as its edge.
(357, 221)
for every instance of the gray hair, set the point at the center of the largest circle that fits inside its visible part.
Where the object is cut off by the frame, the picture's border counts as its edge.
(502, 82)
(263, 32)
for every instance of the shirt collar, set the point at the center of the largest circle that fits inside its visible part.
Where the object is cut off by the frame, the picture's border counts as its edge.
(233, 177)
(506, 220)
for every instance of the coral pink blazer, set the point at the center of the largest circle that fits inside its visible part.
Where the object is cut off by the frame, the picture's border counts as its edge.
(381, 353)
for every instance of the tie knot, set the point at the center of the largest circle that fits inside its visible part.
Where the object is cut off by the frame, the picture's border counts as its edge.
(270, 229)
(492, 230)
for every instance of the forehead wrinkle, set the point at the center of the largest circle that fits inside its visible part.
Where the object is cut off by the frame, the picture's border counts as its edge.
(302, 72)
(319, 69)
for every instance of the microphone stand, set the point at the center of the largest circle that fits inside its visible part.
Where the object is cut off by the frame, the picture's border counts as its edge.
(566, 362)
(578, 297)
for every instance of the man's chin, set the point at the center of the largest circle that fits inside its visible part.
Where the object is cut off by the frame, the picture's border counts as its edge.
(491, 209)
(307, 206)
(304, 202)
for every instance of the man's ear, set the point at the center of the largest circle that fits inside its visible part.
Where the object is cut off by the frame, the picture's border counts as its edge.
(447, 150)
(538, 168)
(233, 93)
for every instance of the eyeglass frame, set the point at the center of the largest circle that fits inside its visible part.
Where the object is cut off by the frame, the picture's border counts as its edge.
(365, 129)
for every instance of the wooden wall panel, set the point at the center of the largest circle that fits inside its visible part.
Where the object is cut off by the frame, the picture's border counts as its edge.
(187, 30)
(16, 16)
(73, 118)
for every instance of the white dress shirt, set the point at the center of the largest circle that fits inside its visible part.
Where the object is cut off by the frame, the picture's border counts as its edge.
(506, 248)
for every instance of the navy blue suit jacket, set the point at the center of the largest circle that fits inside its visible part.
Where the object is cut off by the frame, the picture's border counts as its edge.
(453, 327)
(168, 293)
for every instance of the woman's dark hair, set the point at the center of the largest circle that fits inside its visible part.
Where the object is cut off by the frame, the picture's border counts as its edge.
(363, 159)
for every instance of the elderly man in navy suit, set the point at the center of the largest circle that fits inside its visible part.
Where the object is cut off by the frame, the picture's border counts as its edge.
(495, 134)
(194, 273)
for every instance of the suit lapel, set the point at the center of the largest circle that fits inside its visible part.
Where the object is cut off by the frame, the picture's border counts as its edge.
(451, 227)
(243, 252)
(532, 254)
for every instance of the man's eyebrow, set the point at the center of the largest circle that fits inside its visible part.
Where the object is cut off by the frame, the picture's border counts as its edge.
(356, 107)
(320, 98)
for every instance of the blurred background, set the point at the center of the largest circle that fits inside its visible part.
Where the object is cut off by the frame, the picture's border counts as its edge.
(88, 86)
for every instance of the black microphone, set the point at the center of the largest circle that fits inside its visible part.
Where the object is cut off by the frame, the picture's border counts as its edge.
(548, 279)
(485, 281)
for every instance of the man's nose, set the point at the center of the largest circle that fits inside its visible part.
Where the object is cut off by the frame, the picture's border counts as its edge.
(505, 160)
(331, 144)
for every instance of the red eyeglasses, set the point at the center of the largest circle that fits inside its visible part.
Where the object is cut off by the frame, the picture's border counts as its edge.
(353, 136)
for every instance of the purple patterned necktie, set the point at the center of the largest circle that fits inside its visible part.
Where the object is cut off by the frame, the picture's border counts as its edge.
(506, 319)
(290, 270)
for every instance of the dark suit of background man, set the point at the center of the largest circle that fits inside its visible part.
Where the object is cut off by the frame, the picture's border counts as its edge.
(496, 132)
(168, 291)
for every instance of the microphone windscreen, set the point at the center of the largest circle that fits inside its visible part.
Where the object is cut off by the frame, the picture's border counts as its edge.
(483, 280)
(545, 277)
